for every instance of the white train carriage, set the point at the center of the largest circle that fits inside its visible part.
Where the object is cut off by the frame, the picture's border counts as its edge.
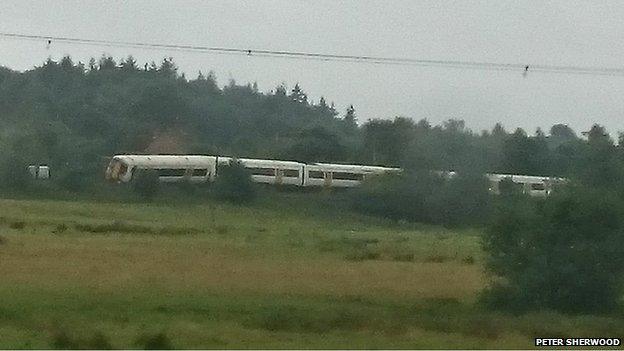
(170, 168)
(531, 185)
(271, 171)
(342, 176)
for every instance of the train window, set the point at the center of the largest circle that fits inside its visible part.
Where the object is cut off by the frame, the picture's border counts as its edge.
(123, 168)
(315, 174)
(263, 171)
(538, 186)
(171, 172)
(347, 176)
(291, 173)
(200, 172)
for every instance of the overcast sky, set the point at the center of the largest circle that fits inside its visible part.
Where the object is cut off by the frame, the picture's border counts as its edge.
(579, 33)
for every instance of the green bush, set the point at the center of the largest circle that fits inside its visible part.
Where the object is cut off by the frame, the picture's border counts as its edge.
(564, 253)
(426, 197)
(14, 175)
(507, 187)
(145, 183)
(234, 184)
(158, 341)
(307, 319)
(76, 180)
(99, 341)
(63, 341)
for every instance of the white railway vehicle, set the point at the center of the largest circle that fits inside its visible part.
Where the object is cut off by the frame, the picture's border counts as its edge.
(339, 175)
(531, 185)
(170, 168)
(199, 168)
(271, 171)
(39, 172)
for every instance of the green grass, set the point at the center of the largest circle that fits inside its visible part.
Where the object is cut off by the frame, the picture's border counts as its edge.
(291, 271)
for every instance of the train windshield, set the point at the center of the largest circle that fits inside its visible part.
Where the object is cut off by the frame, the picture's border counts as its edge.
(116, 170)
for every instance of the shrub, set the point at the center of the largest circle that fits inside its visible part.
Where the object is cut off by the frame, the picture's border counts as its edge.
(307, 319)
(75, 179)
(158, 341)
(507, 187)
(60, 228)
(62, 341)
(404, 257)
(99, 341)
(468, 259)
(565, 253)
(146, 183)
(362, 255)
(17, 225)
(13, 174)
(426, 197)
(234, 184)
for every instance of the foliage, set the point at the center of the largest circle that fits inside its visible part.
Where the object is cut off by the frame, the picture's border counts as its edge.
(426, 197)
(234, 184)
(158, 341)
(566, 253)
(75, 179)
(145, 183)
(316, 145)
(13, 174)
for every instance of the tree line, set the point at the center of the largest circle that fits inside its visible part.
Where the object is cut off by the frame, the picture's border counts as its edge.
(72, 116)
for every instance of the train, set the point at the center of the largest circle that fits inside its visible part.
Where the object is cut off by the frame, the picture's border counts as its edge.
(205, 168)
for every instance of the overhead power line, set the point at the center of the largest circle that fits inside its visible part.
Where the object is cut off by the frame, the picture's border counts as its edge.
(382, 60)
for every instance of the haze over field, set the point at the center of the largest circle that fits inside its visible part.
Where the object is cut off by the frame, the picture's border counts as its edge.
(579, 33)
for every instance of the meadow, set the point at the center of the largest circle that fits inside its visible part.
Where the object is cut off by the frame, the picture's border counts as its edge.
(284, 272)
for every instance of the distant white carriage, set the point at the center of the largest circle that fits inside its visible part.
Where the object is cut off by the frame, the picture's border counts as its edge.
(531, 185)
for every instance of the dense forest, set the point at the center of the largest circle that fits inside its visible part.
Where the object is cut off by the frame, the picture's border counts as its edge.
(72, 116)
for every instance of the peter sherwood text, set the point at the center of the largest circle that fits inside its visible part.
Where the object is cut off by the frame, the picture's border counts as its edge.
(578, 341)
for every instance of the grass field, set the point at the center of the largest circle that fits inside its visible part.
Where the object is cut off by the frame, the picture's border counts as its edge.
(279, 274)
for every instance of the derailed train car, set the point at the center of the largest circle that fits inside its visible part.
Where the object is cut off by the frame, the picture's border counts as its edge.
(170, 168)
(196, 168)
(531, 185)
(200, 168)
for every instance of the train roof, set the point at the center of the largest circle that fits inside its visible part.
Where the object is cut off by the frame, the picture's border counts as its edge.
(166, 160)
(354, 168)
(523, 178)
(262, 163)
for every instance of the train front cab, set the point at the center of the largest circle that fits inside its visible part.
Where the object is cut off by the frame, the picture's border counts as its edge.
(118, 171)
(169, 168)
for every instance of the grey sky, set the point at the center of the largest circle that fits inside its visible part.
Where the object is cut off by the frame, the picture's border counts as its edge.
(580, 33)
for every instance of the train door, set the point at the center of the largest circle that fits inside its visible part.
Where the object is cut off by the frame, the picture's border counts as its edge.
(279, 174)
(188, 173)
(327, 179)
